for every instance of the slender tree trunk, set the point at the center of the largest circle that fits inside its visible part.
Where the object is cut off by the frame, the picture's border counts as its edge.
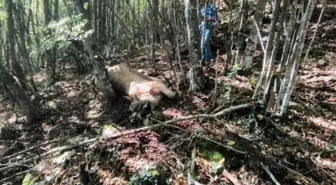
(100, 71)
(49, 54)
(21, 98)
(1, 46)
(268, 64)
(155, 9)
(196, 72)
(100, 25)
(11, 46)
(95, 17)
(23, 46)
(290, 75)
(55, 18)
(245, 57)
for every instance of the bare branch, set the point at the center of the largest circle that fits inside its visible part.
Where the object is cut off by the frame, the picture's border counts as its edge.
(260, 39)
(270, 174)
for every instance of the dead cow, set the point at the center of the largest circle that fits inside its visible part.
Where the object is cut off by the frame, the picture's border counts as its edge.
(137, 87)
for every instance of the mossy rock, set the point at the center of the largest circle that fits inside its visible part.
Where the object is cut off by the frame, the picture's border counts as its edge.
(151, 176)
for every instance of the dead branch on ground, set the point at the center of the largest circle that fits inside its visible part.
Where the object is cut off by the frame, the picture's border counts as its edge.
(133, 131)
(269, 173)
(231, 178)
(32, 148)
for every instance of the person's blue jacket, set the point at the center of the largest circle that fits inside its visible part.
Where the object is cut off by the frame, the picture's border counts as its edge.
(211, 13)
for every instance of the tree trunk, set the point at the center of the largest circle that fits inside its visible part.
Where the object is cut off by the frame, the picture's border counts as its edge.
(2, 44)
(155, 10)
(245, 61)
(100, 25)
(267, 62)
(24, 51)
(99, 68)
(11, 46)
(49, 54)
(95, 16)
(295, 58)
(21, 98)
(55, 18)
(196, 71)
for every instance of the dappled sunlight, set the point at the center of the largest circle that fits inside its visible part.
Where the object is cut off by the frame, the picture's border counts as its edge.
(323, 123)
(40, 78)
(94, 109)
(8, 117)
(326, 163)
(93, 127)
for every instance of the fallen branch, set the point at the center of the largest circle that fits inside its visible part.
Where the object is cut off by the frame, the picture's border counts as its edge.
(276, 126)
(64, 148)
(301, 102)
(296, 173)
(15, 175)
(15, 164)
(200, 136)
(191, 171)
(215, 92)
(270, 174)
(59, 149)
(259, 35)
(32, 148)
(234, 100)
(231, 178)
(166, 123)
(220, 113)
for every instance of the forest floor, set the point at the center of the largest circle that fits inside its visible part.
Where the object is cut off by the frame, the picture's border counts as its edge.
(300, 150)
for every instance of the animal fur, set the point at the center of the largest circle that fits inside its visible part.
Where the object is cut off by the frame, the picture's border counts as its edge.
(137, 86)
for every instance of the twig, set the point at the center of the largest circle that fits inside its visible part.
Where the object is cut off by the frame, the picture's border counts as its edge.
(133, 131)
(220, 113)
(276, 126)
(311, 110)
(323, 152)
(270, 174)
(231, 178)
(15, 175)
(215, 92)
(311, 42)
(233, 100)
(317, 25)
(32, 148)
(296, 173)
(333, 178)
(15, 164)
(200, 136)
(191, 170)
(63, 148)
(260, 39)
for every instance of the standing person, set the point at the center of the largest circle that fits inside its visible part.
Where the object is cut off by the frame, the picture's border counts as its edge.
(211, 19)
